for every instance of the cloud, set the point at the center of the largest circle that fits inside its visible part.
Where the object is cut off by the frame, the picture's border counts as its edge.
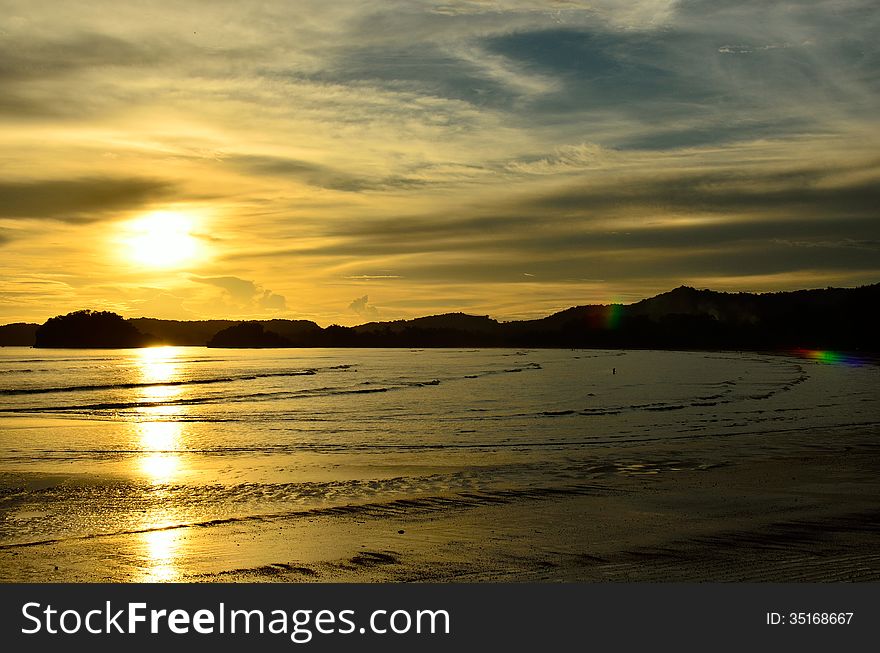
(238, 289)
(161, 304)
(33, 59)
(636, 14)
(630, 226)
(798, 193)
(364, 309)
(737, 129)
(425, 68)
(835, 197)
(245, 294)
(272, 301)
(63, 75)
(319, 175)
(598, 70)
(79, 200)
(564, 159)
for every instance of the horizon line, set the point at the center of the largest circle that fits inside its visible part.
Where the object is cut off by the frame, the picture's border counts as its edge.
(487, 316)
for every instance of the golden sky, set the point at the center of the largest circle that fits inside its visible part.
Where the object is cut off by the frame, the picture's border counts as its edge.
(348, 161)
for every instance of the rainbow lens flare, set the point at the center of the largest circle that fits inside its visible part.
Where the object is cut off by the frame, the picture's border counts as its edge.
(612, 317)
(828, 356)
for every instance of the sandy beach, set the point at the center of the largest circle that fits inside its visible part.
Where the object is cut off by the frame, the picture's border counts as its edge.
(800, 506)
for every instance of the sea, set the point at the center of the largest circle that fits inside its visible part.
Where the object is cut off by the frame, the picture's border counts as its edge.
(102, 442)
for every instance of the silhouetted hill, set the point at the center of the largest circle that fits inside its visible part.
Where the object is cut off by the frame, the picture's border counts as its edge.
(831, 318)
(90, 329)
(176, 332)
(297, 331)
(248, 335)
(684, 318)
(20, 334)
(446, 321)
(199, 332)
(447, 330)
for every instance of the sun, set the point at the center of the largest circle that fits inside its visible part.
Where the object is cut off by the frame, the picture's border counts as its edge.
(162, 239)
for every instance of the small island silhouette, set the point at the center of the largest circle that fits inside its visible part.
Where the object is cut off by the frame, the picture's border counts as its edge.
(684, 318)
(248, 335)
(90, 329)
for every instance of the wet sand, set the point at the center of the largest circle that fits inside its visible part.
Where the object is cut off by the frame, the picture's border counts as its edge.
(787, 506)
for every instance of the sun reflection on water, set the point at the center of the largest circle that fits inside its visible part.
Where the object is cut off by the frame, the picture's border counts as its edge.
(160, 468)
(161, 548)
(161, 436)
(158, 364)
(161, 433)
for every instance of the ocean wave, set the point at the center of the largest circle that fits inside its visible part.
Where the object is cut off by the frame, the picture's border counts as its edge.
(400, 507)
(132, 386)
(302, 393)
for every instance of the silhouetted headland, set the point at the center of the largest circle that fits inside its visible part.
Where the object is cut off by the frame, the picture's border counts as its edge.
(248, 334)
(90, 329)
(18, 334)
(684, 318)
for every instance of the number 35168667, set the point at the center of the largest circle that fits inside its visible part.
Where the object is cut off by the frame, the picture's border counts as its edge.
(810, 618)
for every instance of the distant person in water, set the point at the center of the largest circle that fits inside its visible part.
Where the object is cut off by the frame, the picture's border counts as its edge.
(614, 370)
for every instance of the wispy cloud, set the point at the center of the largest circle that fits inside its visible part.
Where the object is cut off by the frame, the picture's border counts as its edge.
(79, 200)
(319, 175)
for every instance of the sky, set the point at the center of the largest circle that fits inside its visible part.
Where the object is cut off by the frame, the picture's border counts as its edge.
(351, 161)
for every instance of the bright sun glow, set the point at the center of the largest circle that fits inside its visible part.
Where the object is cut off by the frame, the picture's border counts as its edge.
(162, 239)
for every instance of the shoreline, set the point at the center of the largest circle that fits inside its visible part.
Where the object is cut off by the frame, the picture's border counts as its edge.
(760, 508)
(846, 356)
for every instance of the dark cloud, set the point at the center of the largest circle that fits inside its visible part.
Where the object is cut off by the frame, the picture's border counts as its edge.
(766, 204)
(239, 289)
(732, 130)
(685, 74)
(676, 264)
(424, 68)
(319, 175)
(18, 107)
(85, 74)
(79, 200)
(681, 225)
(607, 69)
(433, 230)
(34, 59)
(822, 234)
(804, 194)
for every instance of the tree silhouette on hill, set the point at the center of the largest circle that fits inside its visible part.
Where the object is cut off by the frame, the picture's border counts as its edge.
(248, 335)
(90, 329)
(684, 318)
